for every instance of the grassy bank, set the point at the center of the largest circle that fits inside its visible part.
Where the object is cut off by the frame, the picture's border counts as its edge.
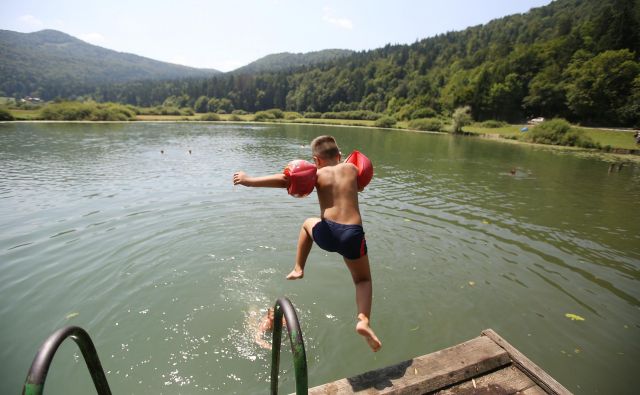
(250, 118)
(76, 111)
(607, 139)
(616, 139)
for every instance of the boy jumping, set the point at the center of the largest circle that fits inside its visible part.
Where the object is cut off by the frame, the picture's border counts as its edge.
(340, 227)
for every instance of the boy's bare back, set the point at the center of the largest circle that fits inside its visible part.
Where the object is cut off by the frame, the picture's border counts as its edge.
(338, 193)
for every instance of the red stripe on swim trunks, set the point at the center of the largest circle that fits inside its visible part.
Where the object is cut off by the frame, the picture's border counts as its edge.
(362, 247)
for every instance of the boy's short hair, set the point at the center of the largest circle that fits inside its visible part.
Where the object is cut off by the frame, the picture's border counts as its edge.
(325, 147)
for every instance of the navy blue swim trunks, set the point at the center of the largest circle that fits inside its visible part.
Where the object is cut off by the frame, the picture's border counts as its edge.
(346, 240)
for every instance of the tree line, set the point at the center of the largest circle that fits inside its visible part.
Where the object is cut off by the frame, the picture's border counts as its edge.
(575, 59)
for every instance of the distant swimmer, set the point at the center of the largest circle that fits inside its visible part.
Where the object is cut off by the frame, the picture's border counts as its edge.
(189, 152)
(162, 151)
(265, 326)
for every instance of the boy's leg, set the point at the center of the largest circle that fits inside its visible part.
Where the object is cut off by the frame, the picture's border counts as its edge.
(361, 275)
(305, 242)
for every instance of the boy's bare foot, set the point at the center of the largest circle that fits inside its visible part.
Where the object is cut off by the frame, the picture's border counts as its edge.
(363, 329)
(295, 275)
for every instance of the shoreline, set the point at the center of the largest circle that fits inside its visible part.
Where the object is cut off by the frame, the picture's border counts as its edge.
(615, 155)
(611, 156)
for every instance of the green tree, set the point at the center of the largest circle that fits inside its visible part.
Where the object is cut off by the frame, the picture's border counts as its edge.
(629, 114)
(505, 98)
(213, 104)
(546, 93)
(5, 115)
(557, 131)
(176, 101)
(201, 105)
(461, 117)
(599, 87)
(385, 122)
(225, 105)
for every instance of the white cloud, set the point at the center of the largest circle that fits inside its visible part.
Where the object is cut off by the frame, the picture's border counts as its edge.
(329, 17)
(31, 22)
(93, 38)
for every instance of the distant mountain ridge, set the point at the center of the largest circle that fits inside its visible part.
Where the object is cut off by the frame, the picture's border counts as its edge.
(32, 62)
(288, 61)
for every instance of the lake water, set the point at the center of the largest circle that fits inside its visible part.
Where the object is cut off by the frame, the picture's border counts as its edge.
(167, 265)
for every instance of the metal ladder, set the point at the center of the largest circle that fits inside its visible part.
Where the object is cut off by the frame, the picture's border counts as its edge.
(284, 306)
(34, 384)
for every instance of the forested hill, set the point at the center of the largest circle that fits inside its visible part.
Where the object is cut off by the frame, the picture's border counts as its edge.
(287, 61)
(576, 59)
(34, 63)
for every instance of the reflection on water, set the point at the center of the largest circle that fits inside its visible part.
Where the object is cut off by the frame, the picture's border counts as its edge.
(120, 229)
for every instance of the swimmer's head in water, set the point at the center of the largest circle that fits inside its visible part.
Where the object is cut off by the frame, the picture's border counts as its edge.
(271, 317)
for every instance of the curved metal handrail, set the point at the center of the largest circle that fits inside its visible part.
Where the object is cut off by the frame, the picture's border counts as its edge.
(284, 306)
(34, 384)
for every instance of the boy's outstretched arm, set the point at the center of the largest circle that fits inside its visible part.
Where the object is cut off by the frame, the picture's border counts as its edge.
(272, 181)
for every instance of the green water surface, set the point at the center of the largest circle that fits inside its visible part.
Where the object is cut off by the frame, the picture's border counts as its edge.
(168, 266)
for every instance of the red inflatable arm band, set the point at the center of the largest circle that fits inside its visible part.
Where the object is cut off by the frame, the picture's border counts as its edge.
(365, 168)
(302, 177)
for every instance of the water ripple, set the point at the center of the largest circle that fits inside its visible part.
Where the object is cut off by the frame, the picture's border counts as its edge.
(169, 266)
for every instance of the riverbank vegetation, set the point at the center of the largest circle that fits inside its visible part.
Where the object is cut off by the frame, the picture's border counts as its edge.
(5, 115)
(559, 132)
(604, 139)
(86, 111)
(551, 132)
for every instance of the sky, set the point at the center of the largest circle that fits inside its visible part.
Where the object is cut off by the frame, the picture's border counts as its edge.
(225, 34)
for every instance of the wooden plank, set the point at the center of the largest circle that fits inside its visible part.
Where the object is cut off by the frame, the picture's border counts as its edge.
(535, 390)
(508, 380)
(426, 373)
(542, 378)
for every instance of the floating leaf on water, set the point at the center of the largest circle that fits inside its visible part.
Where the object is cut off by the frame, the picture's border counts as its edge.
(407, 220)
(414, 329)
(574, 317)
(472, 283)
(71, 315)
(484, 221)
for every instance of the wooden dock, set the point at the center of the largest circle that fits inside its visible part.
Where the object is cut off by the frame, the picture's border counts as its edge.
(487, 364)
